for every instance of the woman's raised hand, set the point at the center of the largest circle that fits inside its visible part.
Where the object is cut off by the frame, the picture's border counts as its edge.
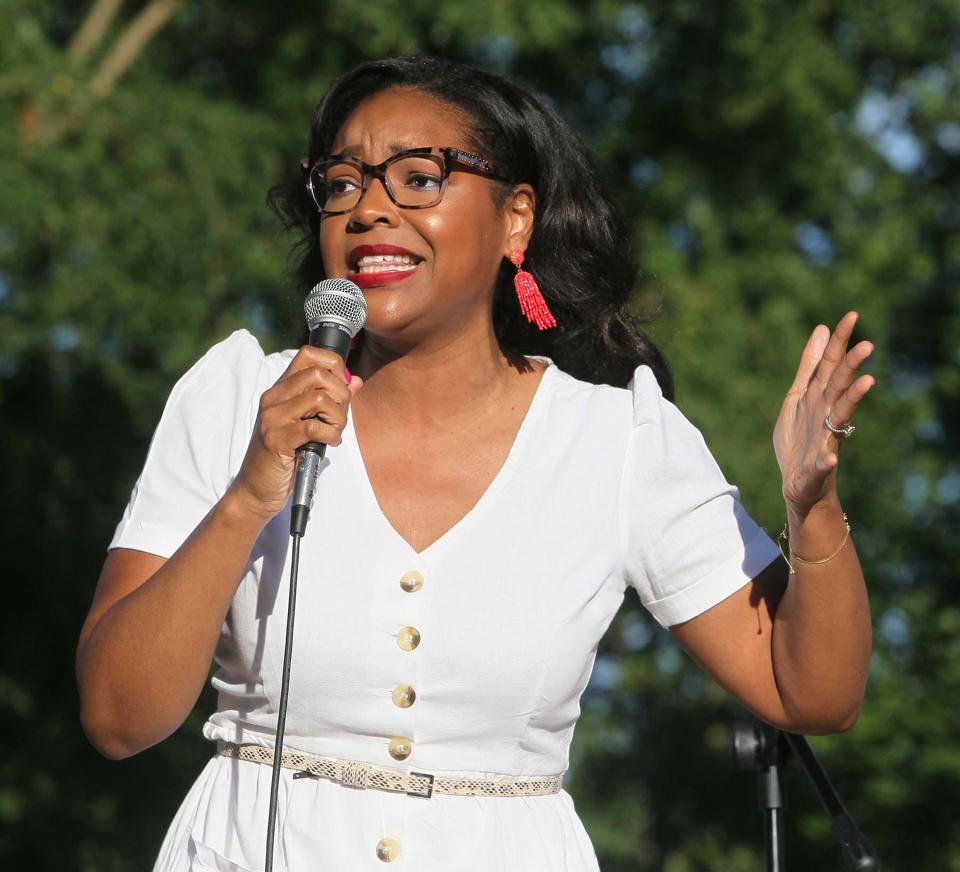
(308, 403)
(826, 384)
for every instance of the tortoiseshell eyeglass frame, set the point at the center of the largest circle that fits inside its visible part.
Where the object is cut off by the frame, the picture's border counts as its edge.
(446, 158)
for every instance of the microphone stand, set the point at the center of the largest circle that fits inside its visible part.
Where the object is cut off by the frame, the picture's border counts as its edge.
(763, 748)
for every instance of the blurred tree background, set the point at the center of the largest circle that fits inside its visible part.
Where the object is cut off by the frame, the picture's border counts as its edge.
(782, 162)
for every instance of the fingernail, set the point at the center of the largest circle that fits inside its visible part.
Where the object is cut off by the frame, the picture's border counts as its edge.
(346, 375)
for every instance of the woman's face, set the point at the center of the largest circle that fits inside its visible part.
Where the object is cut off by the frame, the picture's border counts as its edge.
(456, 247)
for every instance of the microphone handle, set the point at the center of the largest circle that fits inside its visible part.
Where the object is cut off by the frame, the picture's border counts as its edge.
(336, 338)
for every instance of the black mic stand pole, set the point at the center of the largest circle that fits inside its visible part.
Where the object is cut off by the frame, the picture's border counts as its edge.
(768, 750)
(761, 747)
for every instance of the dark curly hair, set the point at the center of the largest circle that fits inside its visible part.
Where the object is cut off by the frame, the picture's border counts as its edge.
(580, 250)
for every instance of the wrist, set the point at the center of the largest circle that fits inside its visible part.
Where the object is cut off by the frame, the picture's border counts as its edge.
(814, 536)
(825, 509)
(239, 509)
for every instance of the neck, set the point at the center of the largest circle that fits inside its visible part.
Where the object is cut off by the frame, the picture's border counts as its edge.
(433, 384)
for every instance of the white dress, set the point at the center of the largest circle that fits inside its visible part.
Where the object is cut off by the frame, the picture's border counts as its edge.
(603, 488)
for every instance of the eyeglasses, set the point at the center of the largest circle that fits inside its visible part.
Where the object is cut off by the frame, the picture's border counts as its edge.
(414, 178)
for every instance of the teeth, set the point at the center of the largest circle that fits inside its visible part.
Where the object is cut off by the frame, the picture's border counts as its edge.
(385, 258)
(386, 263)
(386, 267)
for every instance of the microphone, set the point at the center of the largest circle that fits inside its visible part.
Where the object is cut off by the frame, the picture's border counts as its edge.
(335, 311)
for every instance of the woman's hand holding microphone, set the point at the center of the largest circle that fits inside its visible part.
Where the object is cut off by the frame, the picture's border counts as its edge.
(308, 403)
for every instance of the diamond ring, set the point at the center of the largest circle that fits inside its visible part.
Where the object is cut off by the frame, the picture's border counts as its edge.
(842, 432)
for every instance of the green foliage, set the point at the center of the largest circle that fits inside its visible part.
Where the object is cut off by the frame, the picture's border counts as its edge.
(782, 163)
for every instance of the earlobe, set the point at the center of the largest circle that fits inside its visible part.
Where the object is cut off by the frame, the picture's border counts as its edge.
(521, 210)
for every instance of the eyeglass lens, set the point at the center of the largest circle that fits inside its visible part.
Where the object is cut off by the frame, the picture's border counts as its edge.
(414, 180)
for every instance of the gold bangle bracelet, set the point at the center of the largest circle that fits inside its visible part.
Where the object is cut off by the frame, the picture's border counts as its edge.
(784, 538)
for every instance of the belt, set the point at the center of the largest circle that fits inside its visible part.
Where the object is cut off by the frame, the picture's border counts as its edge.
(355, 773)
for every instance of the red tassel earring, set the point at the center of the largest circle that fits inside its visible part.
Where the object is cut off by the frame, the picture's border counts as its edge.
(531, 299)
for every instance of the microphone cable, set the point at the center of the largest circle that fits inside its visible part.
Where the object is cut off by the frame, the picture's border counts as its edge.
(284, 692)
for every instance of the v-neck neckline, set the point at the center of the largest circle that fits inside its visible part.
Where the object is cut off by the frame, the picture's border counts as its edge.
(352, 444)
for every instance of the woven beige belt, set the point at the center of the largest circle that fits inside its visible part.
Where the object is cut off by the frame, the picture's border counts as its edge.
(354, 773)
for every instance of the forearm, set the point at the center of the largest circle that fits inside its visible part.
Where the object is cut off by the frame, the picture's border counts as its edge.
(822, 633)
(143, 664)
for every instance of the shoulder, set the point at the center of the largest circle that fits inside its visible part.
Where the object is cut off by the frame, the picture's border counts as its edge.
(635, 427)
(639, 402)
(233, 357)
(235, 366)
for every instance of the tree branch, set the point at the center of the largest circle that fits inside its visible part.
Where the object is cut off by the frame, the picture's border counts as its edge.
(94, 26)
(130, 43)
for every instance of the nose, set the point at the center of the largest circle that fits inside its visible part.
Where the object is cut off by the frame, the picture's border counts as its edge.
(374, 207)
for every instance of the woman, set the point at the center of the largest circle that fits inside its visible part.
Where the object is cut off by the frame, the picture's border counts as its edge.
(478, 523)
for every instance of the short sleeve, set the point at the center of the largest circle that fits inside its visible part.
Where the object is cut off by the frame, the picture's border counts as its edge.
(196, 449)
(687, 541)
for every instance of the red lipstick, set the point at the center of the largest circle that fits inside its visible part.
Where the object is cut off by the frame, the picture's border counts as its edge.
(383, 274)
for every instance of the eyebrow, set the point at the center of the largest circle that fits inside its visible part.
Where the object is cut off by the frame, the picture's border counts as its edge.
(354, 150)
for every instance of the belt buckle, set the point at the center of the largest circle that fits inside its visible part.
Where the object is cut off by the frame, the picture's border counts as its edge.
(429, 793)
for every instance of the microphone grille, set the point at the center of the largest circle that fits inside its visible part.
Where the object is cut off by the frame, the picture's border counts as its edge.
(338, 300)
